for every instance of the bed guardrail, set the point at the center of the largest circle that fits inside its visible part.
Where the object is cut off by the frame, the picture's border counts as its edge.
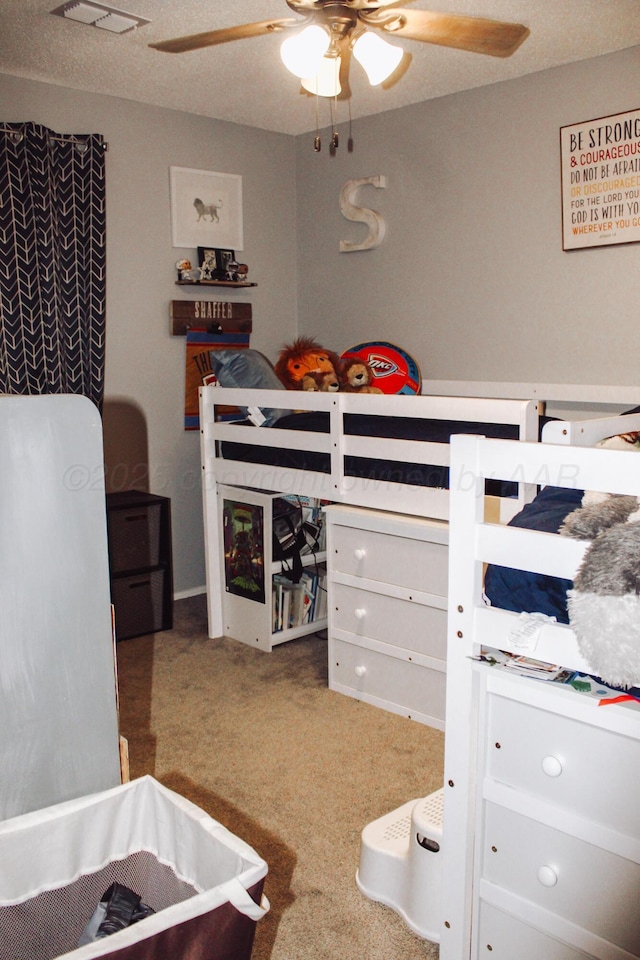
(340, 444)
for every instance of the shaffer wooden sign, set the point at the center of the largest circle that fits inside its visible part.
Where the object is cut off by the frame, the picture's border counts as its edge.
(215, 316)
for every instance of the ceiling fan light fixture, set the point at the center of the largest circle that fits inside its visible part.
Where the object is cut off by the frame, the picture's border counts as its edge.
(303, 53)
(326, 81)
(378, 58)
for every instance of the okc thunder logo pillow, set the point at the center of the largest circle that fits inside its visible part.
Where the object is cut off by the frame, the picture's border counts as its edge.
(394, 370)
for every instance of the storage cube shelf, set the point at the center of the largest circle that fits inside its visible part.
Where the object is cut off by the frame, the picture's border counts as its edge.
(261, 605)
(140, 568)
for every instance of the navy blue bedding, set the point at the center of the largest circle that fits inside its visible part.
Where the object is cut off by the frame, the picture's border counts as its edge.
(526, 592)
(405, 428)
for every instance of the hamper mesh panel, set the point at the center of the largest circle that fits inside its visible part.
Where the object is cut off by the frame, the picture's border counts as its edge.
(51, 923)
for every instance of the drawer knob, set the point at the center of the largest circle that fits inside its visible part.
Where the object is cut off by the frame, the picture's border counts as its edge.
(359, 553)
(547, 876)
(360, 613)
(552, 766)
(360, 671)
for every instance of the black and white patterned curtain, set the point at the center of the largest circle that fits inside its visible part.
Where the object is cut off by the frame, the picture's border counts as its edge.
(52, 262)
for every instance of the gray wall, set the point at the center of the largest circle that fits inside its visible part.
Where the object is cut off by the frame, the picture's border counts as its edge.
(471, 277)
(144, 390)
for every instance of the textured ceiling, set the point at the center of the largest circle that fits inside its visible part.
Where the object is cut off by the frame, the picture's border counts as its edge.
(245, 81)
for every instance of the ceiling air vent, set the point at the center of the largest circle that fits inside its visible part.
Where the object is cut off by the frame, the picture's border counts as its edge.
(99, 15)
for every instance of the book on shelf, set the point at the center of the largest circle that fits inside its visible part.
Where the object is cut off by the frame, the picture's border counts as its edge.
(525, 666)
(296, 604)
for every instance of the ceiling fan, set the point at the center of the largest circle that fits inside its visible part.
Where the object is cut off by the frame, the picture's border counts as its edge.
(339, 28)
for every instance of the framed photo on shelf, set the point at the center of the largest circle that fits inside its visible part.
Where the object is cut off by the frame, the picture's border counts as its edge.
(206, 209)
(213, 262)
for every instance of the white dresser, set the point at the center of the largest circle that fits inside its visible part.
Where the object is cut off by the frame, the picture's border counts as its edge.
(559, 779)
(541, 816)
(388, 610)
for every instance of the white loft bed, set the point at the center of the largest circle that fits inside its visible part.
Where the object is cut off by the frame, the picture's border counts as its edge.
(338, 446)
(541, 834)
(517, 404)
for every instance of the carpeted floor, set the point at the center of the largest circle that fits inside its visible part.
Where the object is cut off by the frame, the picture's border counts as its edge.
(294, 769)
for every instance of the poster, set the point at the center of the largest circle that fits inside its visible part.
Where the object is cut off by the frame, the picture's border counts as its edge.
(199, 369)
(600, 169)
(243, 533)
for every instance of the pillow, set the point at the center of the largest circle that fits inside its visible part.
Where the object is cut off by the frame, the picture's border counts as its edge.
(521, 590)
(250, 370)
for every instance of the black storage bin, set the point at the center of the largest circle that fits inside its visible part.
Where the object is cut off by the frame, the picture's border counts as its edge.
(134, 536)
(139, 603)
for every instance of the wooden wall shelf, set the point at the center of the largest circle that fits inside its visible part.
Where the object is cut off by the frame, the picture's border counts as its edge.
(215, 283)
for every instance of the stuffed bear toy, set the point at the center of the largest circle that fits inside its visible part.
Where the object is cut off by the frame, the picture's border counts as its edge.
(604, 604)
(356, 377)
(304, 356)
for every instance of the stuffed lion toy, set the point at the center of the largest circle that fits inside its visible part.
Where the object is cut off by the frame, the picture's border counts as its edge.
(304, 356)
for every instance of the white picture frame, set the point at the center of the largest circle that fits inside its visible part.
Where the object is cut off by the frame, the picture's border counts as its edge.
(206, 209)
(600, 172)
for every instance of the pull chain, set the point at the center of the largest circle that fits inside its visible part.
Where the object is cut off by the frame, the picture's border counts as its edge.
(317, 143)
(334, 134)
(334, 137)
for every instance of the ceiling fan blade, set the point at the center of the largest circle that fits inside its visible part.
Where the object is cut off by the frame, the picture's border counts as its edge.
(211, 38)
(307, 7)
(475, 34)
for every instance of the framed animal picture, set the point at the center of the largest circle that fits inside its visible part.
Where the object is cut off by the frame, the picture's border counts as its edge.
(206, 209)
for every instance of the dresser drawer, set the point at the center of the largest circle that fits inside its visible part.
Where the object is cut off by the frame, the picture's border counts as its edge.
(503, 937)
(412, 626)
(416, 564)
(397, 685)
(593, 772)
(589, 886)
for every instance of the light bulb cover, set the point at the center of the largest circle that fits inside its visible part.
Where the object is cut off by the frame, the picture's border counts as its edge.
(377, 57)
(303, 52)
(326, 81)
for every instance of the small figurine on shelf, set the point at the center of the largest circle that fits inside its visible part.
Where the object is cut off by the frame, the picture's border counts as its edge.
(185, 271)
(241, 272)
(231, 268)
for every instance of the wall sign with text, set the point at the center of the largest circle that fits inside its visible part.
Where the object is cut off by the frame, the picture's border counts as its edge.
(600, 163)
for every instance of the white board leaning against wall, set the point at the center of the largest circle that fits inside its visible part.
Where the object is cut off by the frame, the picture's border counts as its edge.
(58, 712)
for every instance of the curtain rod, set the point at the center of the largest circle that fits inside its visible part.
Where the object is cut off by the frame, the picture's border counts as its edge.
(59, 137)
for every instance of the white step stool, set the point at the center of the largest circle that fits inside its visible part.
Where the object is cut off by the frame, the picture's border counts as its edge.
(401, 863)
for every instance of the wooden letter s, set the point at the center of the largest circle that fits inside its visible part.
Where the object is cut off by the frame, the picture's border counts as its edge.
(374, 220)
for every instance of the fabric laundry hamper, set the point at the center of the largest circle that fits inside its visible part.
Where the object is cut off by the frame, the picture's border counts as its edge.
(204, 883)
